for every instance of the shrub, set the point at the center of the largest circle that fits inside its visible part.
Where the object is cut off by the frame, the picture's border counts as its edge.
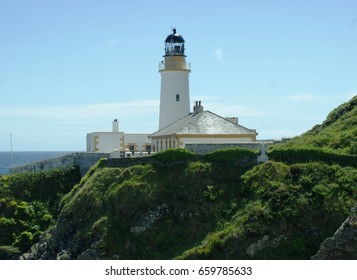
(24, 241)
(301, 155)
(9, 253)
(174, 155)
(232, 155)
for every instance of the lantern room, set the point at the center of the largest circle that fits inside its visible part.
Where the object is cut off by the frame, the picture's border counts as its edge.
(174, 44)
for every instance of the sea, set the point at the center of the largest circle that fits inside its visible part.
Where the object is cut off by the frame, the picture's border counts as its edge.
(8, 159)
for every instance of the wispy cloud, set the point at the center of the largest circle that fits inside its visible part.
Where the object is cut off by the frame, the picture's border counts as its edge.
(219, 55)
(233, 110)
(110, 42)
(278, 133)
(215, 105)
(80, 112)
(314, 98)
(304, 97)
(353, 22)
(351, 94)
(205, 98)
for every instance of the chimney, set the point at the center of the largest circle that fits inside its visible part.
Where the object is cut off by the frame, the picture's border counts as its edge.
(198, 107)
(232, 119)
(115, 125)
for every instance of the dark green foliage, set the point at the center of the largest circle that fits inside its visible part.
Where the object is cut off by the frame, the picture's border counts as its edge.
(9, 253)
(203, 210)
(24, 241)
(175, 205)
(295, 206)
(237, 156)
(173, 155)
(312, 154)
(46, 186)
(28, 204)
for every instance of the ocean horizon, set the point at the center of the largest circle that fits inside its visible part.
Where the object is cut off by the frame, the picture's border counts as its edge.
(15, 158)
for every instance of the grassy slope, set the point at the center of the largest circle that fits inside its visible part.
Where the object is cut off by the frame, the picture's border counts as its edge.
(209, 210)
(206, 210)
(176, 205)
(338, 132)
(29, 205)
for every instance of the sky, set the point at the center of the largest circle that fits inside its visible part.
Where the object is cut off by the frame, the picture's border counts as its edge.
(70, 67)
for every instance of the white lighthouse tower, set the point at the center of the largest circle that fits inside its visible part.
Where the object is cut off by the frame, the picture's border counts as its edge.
(174, 95)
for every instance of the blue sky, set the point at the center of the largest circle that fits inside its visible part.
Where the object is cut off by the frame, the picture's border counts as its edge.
(69, 67)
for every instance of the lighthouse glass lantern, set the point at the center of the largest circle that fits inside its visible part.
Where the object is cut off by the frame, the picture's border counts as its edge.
(174, 44)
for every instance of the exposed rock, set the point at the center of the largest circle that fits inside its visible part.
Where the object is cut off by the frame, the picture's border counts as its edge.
(263, 243)
(137, 230)
(63, 255)
(257, 246)
(62, 243)
(39, 251)
(149, 219)
(343, 245)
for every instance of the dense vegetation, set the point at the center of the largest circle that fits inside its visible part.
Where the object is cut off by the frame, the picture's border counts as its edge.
(289, 209)
(29, 205)
(221, 205)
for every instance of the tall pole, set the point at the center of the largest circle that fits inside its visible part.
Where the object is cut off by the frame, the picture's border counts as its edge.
(12, 156)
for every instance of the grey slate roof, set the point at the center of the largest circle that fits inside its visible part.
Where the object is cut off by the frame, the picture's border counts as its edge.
(204, 122)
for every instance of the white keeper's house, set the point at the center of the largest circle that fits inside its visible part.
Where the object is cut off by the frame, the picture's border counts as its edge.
(178, 126)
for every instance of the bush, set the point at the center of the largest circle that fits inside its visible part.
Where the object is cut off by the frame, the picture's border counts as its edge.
(174, 155)
(301, 155)
(9, 253)
(232, 155)
(24, 241)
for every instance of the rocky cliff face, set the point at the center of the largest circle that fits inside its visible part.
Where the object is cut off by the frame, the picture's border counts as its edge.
(343, 245)
(202, 210)
(60, 243)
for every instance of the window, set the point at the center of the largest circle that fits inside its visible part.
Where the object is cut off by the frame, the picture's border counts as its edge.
(148, 148)
(131, 147)
(177, 97)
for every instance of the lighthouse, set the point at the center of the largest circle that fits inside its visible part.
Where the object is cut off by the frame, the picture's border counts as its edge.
(174, 70)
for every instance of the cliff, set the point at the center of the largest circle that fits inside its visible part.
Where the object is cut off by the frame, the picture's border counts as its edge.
(179, 205)
(343, 244)
(200, 209)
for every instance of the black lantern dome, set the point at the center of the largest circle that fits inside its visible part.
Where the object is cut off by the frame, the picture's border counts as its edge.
(174, 44)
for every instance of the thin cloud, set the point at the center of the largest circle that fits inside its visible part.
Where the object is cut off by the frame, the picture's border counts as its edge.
(80, 112)
(351, 94)
(231, 110)
(304, 97)
(215, 105)
(205, 98)
(278, 133)
(219, 55)
(110, 42)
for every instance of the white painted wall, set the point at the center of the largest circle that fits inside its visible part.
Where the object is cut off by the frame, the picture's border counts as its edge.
(106, 142)
(172, 83)
(164, 143)
(139, 139)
